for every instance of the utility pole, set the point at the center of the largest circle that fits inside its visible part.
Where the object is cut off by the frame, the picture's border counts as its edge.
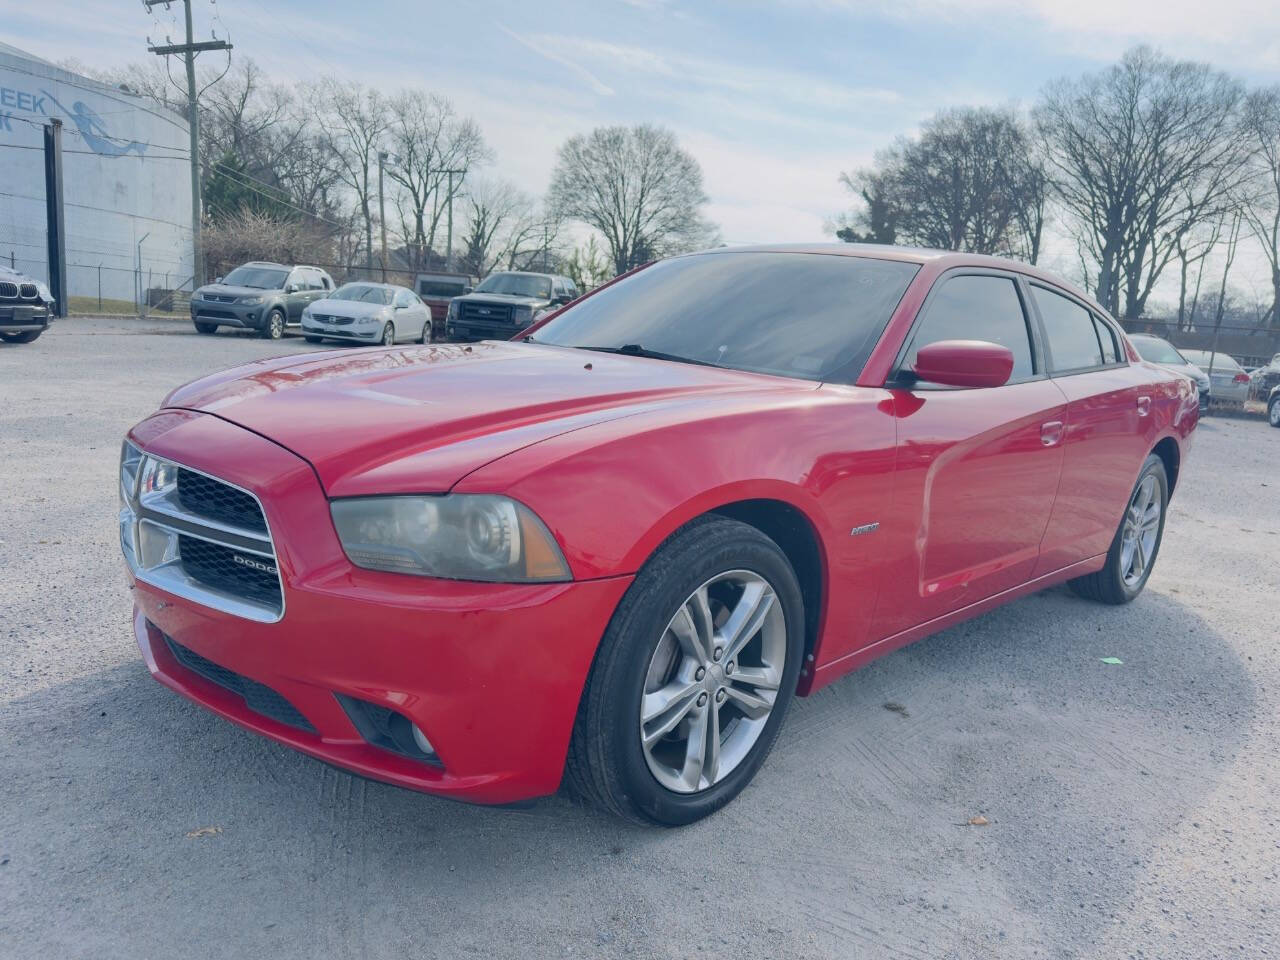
(56, 229)
(448, 252)
(189, 51)
(382, 212)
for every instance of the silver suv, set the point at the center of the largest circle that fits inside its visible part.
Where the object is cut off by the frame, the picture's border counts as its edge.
(266, 297)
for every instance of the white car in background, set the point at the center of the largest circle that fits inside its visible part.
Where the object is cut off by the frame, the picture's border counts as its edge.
(1228, 381)
(1159, 351)
(374, 313)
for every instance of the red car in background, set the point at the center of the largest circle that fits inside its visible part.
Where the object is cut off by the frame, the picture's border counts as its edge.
(437, 291)
(615, 549)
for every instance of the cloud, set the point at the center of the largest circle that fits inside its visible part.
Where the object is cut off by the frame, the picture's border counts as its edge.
(592, 80)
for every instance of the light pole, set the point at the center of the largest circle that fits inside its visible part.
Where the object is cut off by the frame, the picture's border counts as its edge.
(382, 212)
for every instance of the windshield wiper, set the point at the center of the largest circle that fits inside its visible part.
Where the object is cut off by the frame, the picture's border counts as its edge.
(637, 350)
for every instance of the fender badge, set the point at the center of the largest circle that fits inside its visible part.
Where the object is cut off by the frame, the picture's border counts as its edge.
(865, 528)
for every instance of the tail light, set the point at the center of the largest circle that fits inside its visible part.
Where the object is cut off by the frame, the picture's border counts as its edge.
(1240, 378)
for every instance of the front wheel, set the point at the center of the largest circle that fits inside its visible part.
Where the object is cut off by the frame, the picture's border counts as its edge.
(310, 339)
(1273, 411)
(1136, 544)
(24, 336)
(426, 333)
(205, 328)
(274, 329)
(693, 677)
(388, 336)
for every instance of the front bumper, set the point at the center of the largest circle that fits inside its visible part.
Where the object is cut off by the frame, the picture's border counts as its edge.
(350, 331)
(228, 314)
(492, 673)
(22, 317)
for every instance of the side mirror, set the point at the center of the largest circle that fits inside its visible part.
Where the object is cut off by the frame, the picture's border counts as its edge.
(217, 279)
(466, 290)
(964, 363)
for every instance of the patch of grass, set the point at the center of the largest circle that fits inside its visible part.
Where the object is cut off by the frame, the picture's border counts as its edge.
(122, 308)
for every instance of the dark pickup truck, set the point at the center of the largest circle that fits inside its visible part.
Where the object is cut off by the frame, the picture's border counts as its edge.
(26, 307)
(505, 303)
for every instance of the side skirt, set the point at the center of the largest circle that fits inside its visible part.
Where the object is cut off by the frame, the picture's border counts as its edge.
(821, 676)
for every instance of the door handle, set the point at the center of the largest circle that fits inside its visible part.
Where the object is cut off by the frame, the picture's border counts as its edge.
(1144, 406)
(1051, 433)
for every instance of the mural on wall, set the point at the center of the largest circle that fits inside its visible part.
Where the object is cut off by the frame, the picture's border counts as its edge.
(94, 132)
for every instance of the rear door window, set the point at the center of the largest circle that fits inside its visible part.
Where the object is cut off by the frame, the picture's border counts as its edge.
(1108, 340)
(1069, 329)
(977, 307)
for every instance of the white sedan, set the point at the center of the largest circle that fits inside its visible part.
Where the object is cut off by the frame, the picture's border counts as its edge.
(1229, 382)
(375, 313)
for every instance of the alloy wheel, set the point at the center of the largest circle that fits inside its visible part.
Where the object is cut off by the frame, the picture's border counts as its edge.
(1141, 530)
(712, 681)
(388, 336)
(1273, 413)
(275, 326)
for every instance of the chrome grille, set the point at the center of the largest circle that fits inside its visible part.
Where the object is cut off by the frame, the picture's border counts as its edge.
(484, 313)
(198, 537)
(28, 291)
(331, 318)
(8, 290)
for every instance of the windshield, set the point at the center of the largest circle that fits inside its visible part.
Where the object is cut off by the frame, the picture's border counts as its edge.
(517, 285)
(260, 278)
(1221, 361)
(1157, 351)
(810, 316)
(363, 293)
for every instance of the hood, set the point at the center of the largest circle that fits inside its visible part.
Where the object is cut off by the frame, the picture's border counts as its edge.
(419, 419)
(13, 276)
(504, 298)
(347, 308)
(227, 290)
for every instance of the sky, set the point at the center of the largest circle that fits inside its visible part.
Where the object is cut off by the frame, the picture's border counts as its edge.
(775, 98)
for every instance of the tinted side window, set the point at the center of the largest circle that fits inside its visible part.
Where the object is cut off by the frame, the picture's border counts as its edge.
(1073, 339)
(977, 308)
(1108, 341)
(402, 298)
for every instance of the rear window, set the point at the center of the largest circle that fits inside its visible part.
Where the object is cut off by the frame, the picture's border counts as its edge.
(1221, 361)
(810, 316)
(440, 288)
(1073, 339)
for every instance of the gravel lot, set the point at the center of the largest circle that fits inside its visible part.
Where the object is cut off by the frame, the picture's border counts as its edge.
(1133, 810)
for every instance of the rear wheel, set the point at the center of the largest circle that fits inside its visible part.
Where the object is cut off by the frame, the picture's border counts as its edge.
(24, 336)
(693, 677)
(310, 339)
(1136, 544)
(388, 336)
(205, 328)
(274, 328)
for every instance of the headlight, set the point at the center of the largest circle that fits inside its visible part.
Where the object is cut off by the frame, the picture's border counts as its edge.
(457, 537)
(250, 301)
(453, 310)
(523, 316)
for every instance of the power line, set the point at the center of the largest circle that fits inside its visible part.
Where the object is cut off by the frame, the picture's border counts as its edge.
(234, 173)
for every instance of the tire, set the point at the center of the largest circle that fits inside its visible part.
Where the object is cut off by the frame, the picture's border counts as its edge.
(608, 765)
(24, 336)
(388, 335)
(310, 339)
(273, 329)
(1273, 411)
(205, 328)
(1118, 581)
(426, 333)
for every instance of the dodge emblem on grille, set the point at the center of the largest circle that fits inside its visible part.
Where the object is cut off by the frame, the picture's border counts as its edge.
(253, 564)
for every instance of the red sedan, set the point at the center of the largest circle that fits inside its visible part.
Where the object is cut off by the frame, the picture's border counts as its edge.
(614, 551)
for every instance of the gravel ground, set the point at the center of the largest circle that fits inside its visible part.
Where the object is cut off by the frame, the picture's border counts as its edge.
(1132, 810)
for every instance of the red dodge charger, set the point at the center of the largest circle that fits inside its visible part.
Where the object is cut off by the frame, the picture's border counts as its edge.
(613, 550)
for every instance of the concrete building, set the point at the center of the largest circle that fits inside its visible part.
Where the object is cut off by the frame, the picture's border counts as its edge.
(126, 179)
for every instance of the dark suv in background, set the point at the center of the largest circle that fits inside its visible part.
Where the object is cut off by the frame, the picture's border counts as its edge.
(266, 297)
(505, 303)
(437, 291)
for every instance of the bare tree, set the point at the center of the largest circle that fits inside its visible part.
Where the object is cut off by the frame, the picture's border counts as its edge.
(1260, 199)
(637, 187)
(355, 122)
(493, 213)
(426, 140)
(967, 182)
(1137, 155)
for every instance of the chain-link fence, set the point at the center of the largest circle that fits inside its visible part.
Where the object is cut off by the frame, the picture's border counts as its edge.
(1250, 346)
